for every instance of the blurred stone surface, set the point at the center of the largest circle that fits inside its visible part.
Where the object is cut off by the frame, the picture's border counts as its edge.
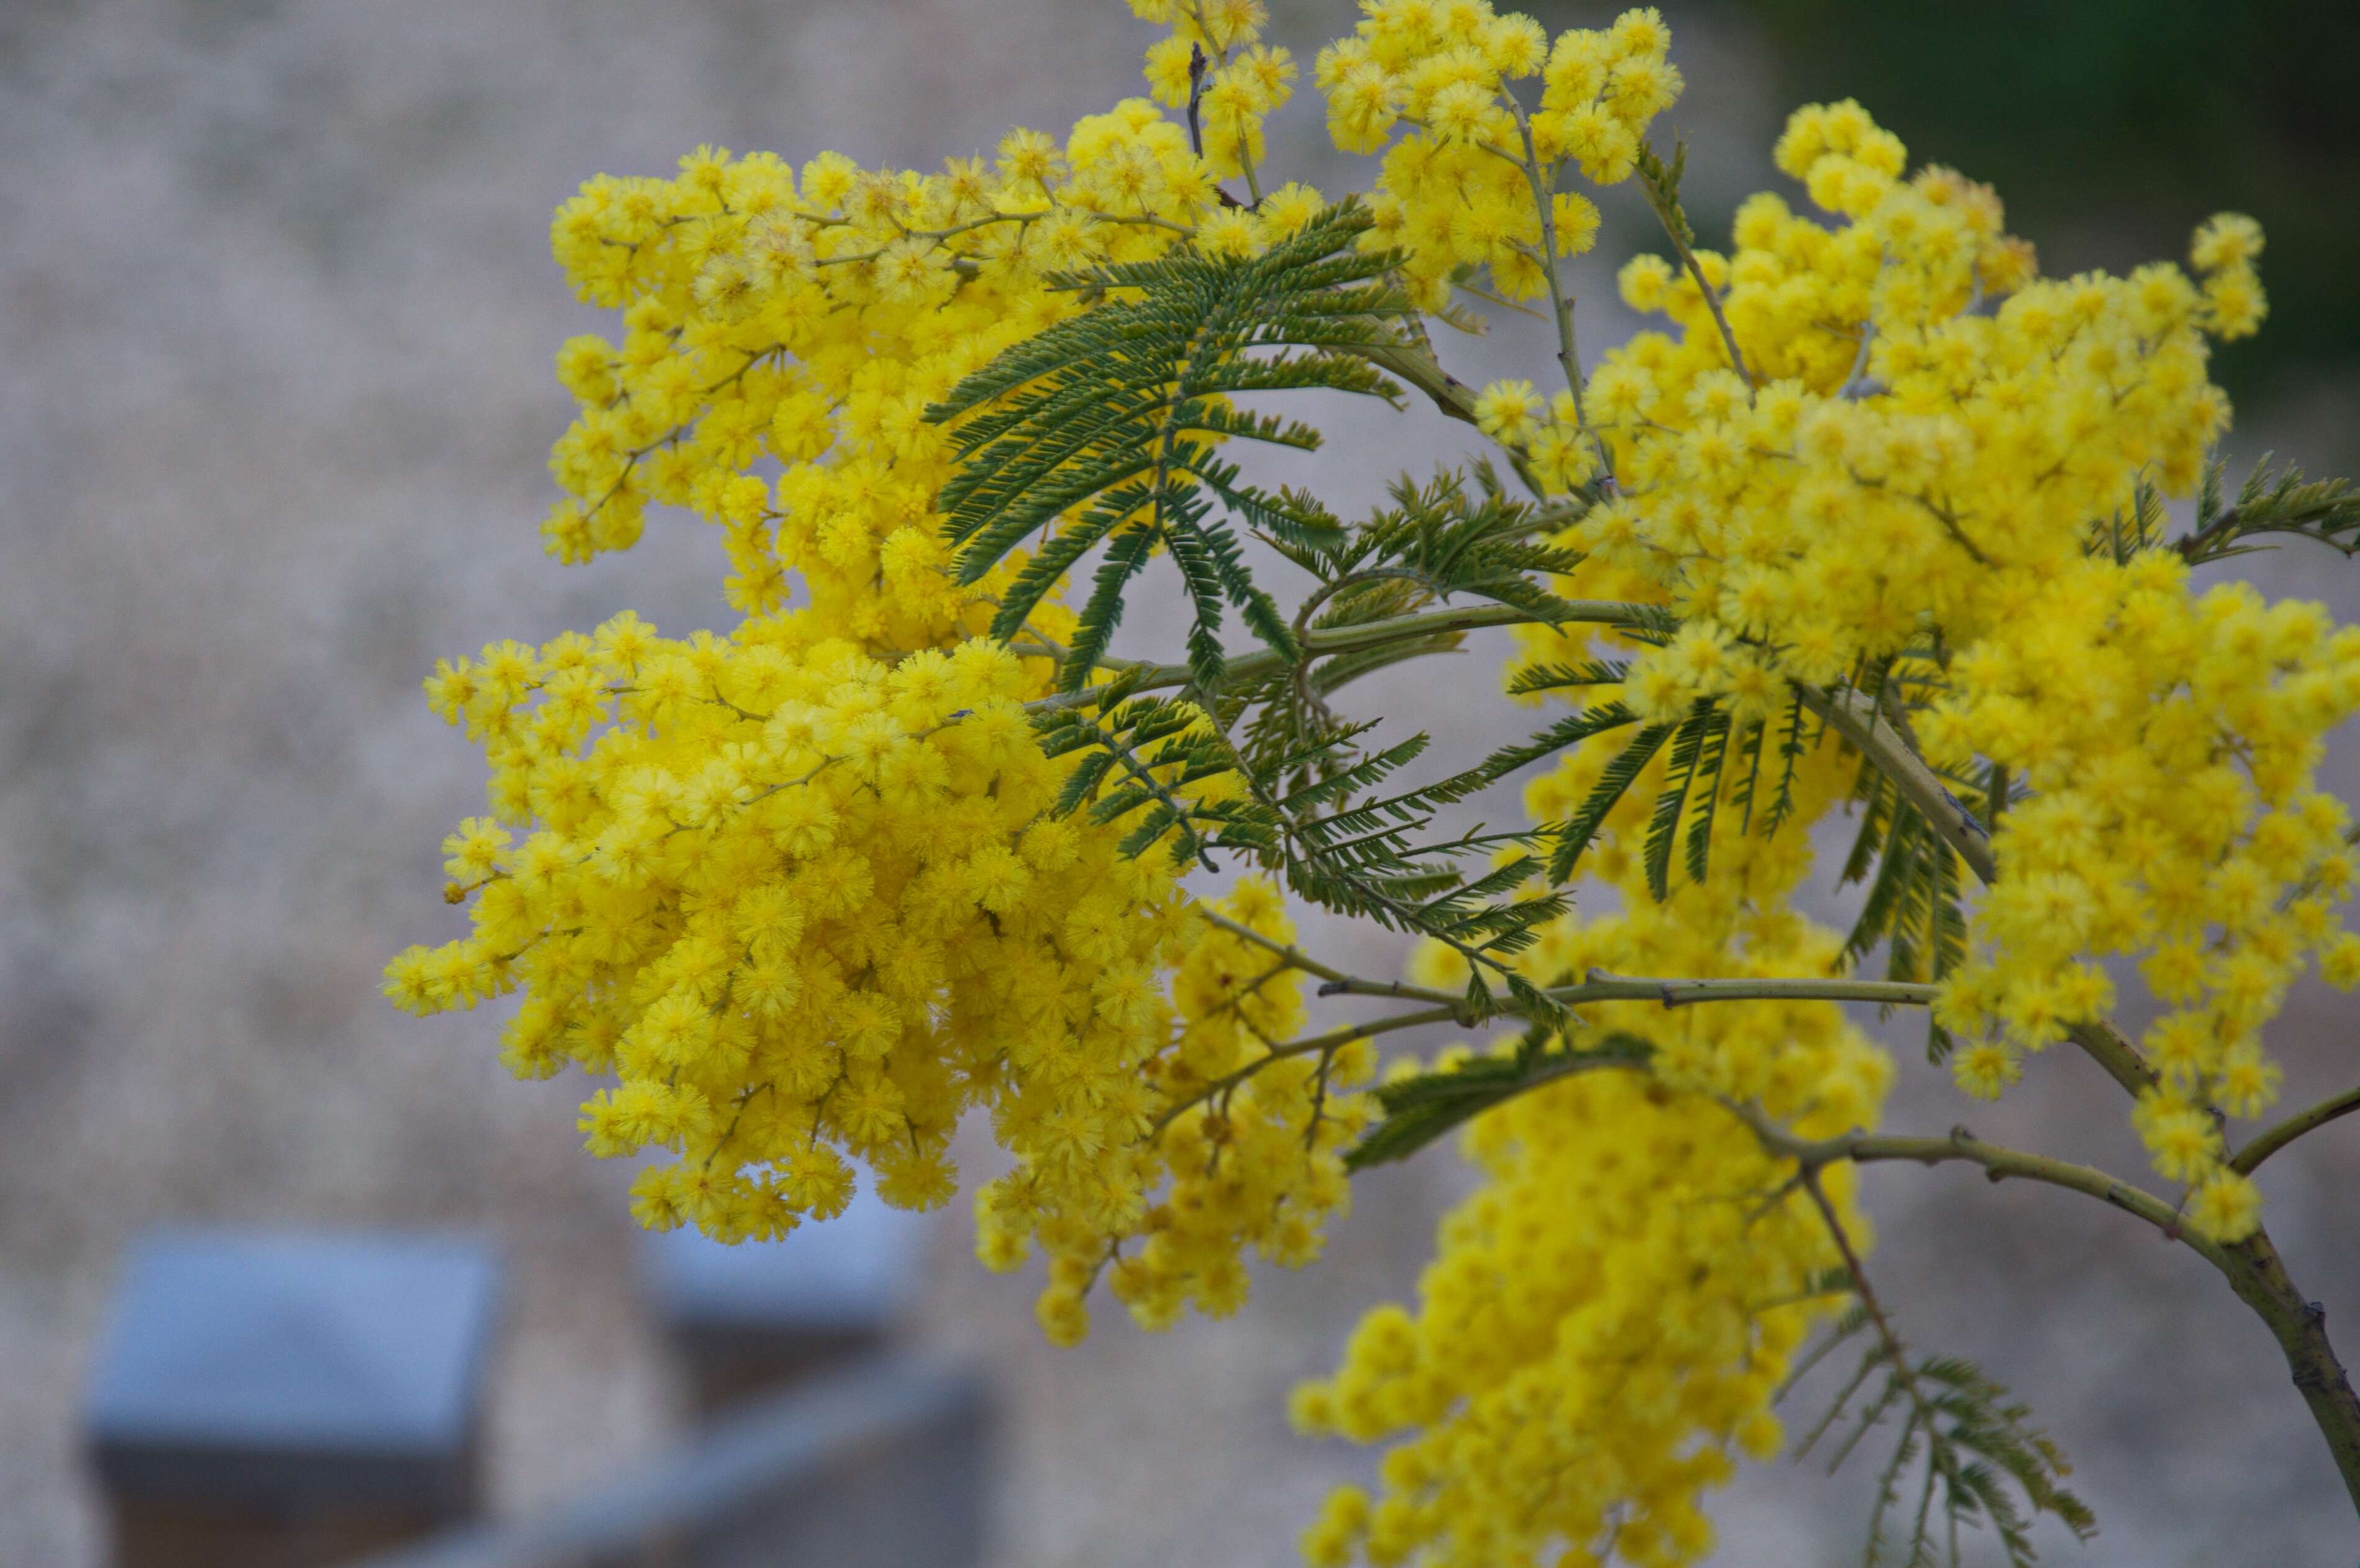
(277, 313)
(286, 1401)
(755, 1316)
(885, 1461)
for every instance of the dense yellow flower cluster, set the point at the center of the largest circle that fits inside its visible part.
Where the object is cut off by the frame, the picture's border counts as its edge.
(1473, 182)
(1905, 453)
(1926, 455)
(1215, 60)
(1606, 1320)
(1472, 188)
(811, 319)
(1246, 1154)
(2169, 740)
(803, 895)
(799, 888)
(795, 906)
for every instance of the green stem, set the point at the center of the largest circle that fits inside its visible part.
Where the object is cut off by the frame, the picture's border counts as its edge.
(2001, 1163)
(1333, 1040)
(1568, 356)
(2112, 1050)
(1675, 229)
(1418, 365)
(2253, 1266)
(1679, 993)
(2260, 1277)
(1604, 987)
(1291, 956)
(2271, 1139)
(1598, 987)
(1856, 717)
(1320, 643)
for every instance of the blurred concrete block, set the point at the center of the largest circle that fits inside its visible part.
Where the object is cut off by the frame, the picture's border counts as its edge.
(884, 1463)
(290, 1400)
(750, 1318)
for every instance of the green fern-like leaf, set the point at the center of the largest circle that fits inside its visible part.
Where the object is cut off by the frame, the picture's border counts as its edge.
(2272, 501)
(1102, 430)
(1421, 1109)
(1438, 541)
(1710, 760)
(1538, 677)
(1966, 1456)
(1612, 784)
(1912, 905)
(1140, 758)
(1570, 730)
(1690, 750)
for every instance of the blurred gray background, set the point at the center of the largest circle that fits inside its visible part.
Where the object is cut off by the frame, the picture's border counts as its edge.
(275, 322)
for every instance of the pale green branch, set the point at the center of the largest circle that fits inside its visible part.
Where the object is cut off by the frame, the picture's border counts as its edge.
(1675, 221)
(2271, 1139)
(1448, 621)
(1999, 1161)
(1856, 717)
(1601, 986)
(1568, 356)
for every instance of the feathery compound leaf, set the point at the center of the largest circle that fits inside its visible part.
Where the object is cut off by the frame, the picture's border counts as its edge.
(1664, 823)
(2284, 502)
(1570, 730)
(1419, 1110)
(1611, 786)
(1966, 1456)
(1366, 774)
(1535, 678)
(1438, 541)
(1710, 761)
(1912, 905)
(1108, 421)
(1750, 745)
(1791, 746)
(1142, 757)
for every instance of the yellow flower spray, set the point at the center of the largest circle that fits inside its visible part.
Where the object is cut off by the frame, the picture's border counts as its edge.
(1874, 521)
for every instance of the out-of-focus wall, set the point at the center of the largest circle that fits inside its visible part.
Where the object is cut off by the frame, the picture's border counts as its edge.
(276, 318)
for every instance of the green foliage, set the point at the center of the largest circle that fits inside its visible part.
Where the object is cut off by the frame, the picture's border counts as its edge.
(1599, 718)
(1141, 752)
(2284, 502)
(1540, 678)
(1913, 887)
(1369, 857)
(1966, 1458)
(1109, 421)
(1699, 749)
(1435, 541)
(2122, 536)
(1659, 183)
(1102, 432)
(1621, 774)
(1421, 1109)
(1711, 762)
(1438, 541)
(1789, 725)
(1912, 907)
(1335, 837)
